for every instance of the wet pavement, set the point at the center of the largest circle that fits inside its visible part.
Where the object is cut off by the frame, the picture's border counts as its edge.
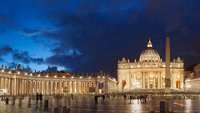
(86, 104)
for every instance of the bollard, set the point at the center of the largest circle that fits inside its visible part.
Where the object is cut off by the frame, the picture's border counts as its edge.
(7, 100)
(13, 101)
(29, 101)
(20, 102)
(163, 106)
(46, 105)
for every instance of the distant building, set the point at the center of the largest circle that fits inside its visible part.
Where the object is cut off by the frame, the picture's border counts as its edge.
(197, 71)
(192, 81)
(149, 72)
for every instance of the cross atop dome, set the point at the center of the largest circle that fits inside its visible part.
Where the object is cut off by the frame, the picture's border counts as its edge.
(149, 45)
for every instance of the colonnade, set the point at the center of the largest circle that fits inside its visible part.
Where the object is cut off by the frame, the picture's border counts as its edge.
(19, 85)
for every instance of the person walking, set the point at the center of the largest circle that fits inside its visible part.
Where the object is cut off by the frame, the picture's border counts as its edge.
(96, 99)
(130, 99)
(124, 98)
(103, 97)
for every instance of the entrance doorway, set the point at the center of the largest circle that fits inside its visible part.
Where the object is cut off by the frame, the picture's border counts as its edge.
(123, 84)
(178, 84)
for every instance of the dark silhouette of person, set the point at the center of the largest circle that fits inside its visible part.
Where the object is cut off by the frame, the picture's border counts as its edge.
(96, 99)
(72, 97)
(37, 96)
(40, 96)
(130, 98)
(103, 97)
(124, 97)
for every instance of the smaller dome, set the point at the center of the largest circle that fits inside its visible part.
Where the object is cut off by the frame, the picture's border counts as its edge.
(149, 54)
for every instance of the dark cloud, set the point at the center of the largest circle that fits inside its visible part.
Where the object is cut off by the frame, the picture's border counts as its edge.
(51, 68)
(5, 50)
(12, 65)
(107, 30)
(91, 35)
(24, 57)
(5, 22)
(71, 62)
(20, 56)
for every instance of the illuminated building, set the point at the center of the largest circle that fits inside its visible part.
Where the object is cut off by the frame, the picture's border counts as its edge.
(149, 72)
(192, 81)
(19, 82)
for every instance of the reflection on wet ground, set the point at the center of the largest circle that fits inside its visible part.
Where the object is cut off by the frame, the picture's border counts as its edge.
(87, 104)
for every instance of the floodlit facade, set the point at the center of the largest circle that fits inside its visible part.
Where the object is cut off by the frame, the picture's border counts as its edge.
(149, 71)
(192, 85)
(192, 81)
(19, 82)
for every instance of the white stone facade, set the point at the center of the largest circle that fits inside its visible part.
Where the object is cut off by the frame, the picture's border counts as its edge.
(148, 72)
(16, 82)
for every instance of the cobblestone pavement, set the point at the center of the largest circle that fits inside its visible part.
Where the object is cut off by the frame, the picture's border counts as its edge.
(87, 105)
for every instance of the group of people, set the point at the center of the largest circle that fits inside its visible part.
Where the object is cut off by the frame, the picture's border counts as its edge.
(141, 98)
(39, 96)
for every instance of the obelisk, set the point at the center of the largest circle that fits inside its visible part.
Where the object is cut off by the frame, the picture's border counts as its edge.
(167, 65)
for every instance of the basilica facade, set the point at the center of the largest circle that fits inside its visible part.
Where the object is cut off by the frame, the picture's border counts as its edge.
(149, 72)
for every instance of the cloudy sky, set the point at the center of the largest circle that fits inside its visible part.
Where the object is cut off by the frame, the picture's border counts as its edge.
(92, 35)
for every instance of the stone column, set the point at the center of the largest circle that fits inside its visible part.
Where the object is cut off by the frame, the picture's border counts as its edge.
(71, 85)
(25, 86)
(60, 87)
(14, 86)
(154, 83)
(51, 86)
(148, 80)
(80, 87)
(43, 87)
(83, 90)
(47, 87)
(77, 87)
(0, 83)
(167, 64)
(96, 87)
(158, 80)
(9, 86)
(22, 86)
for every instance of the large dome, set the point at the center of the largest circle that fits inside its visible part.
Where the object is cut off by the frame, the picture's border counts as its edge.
(149, 54)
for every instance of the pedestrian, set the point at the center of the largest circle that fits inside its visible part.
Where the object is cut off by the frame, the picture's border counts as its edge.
(37, 97)
(145, 98)
(103, 97)
(96, 99)
(138, 98)
(130, 99)
(41, 96)
(124, 98)
(72, 96)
